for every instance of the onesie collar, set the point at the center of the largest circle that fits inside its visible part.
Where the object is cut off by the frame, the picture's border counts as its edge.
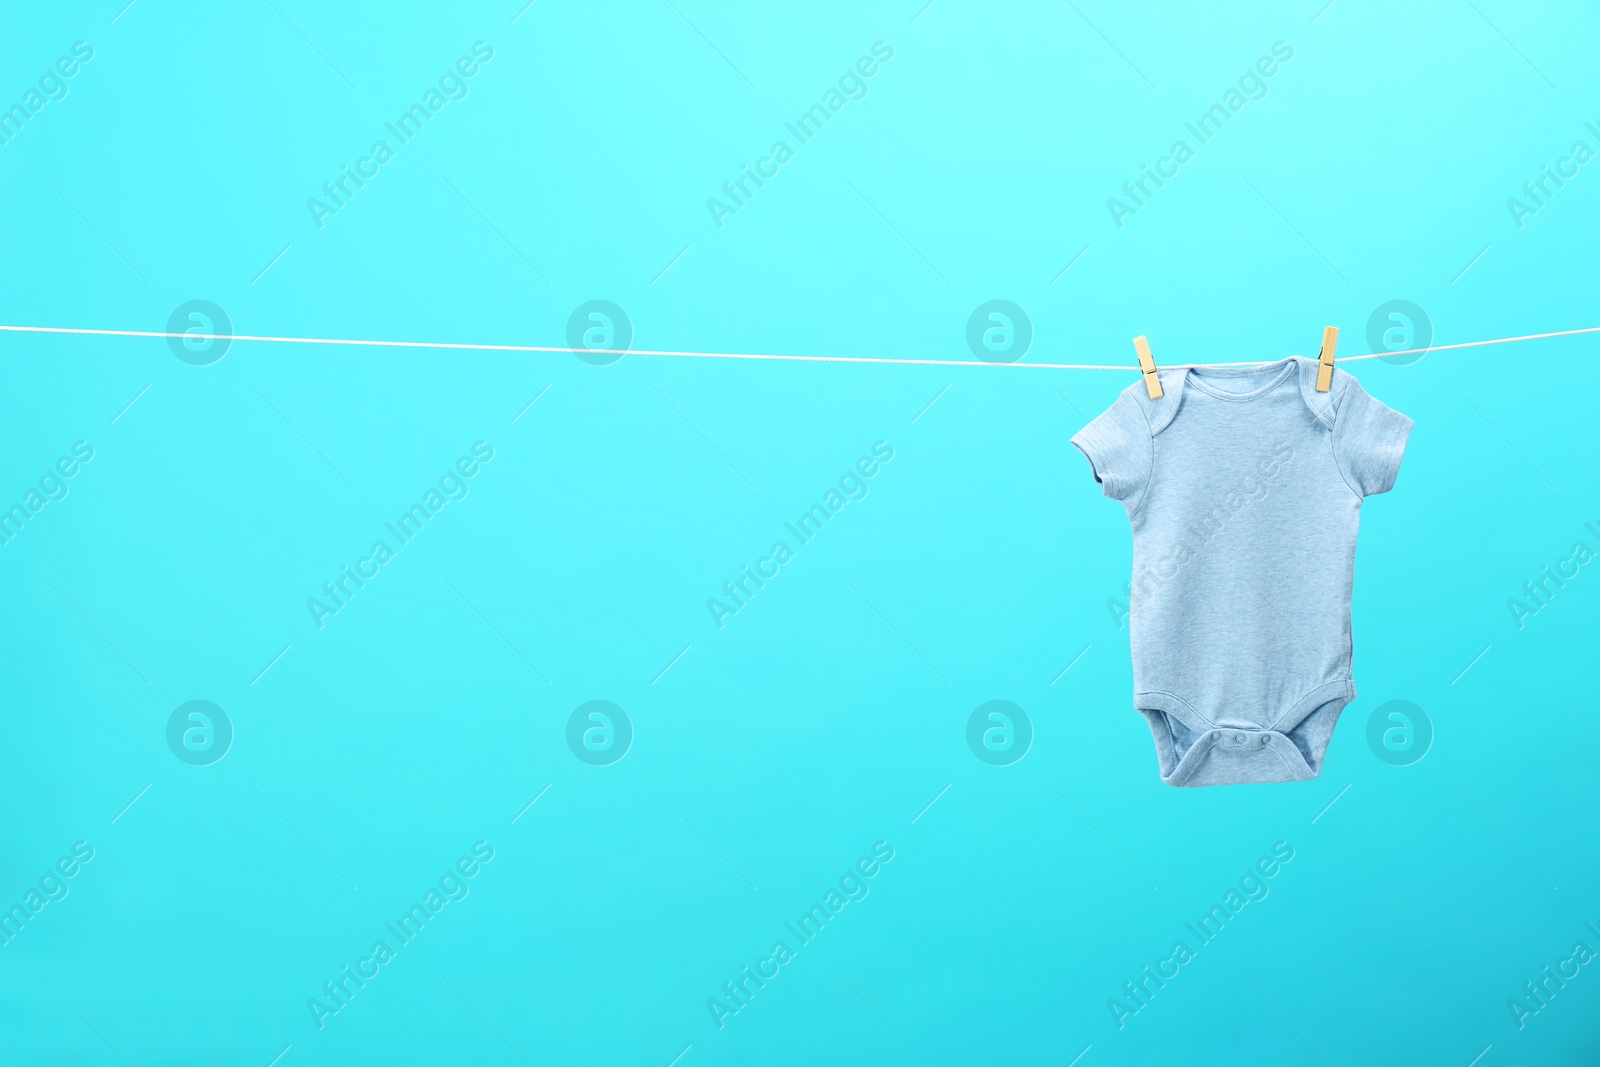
(1162, 410)
(1282, 369)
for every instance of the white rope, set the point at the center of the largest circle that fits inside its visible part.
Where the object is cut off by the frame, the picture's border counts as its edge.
(466, 346)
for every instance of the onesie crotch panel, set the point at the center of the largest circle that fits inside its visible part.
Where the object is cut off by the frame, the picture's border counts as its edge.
(1232, 757)
(1195, 750)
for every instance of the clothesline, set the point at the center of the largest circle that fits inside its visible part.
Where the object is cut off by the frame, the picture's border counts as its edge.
(473, 347)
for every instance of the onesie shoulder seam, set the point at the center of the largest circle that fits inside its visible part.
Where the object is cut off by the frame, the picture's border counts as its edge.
(1150, 472)
(1336, 403)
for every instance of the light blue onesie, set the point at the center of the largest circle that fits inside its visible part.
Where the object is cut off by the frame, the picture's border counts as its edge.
(1244, 488)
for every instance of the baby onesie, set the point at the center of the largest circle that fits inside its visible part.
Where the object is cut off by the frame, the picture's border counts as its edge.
(1244, 488)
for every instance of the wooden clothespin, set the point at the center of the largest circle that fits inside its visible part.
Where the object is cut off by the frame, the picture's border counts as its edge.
(1330, 341)
(1147, 367)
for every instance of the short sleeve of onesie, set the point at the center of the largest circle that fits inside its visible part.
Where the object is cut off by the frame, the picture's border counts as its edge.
(1369, 438)
(1119, 448)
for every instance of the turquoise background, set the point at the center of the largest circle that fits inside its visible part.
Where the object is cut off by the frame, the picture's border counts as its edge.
(831, 712)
